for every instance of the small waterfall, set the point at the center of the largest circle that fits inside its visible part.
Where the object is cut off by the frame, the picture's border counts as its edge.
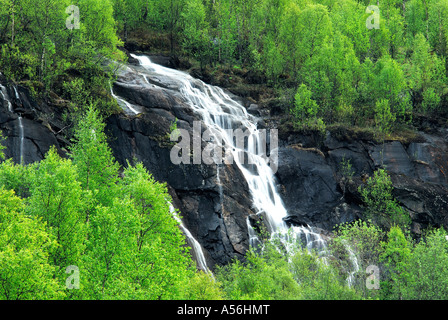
(6, 98)
(127, 107)
(221, 114)
(4, 94)
(355, 265)
(21, 129)
(198, 254)
(22, 138)
(254, 241)
(17, 93)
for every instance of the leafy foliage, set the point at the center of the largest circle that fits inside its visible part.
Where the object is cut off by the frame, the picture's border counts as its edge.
(119, 232)
(115, 223)
(381, 206)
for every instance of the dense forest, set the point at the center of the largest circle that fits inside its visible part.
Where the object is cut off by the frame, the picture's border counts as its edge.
(317, 57)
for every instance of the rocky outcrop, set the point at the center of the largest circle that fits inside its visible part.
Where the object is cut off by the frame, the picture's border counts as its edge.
(39, 128)
(316, 192)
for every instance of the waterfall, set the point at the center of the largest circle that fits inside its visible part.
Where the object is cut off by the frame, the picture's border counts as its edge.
(196, 248)
(4, 94)
(127, 107)
(5, 97)
(22, 138)
(354, 261)
(221, 114)
(17, 93)
(253, 238)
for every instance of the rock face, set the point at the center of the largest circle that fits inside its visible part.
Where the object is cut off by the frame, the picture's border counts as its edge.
(215, 201)
(214, 213)
(314, 190)
(26, 123)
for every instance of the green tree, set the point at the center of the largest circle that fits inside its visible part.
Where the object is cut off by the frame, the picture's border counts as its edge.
(16, 177)
(428, 268)
(389, 82)
(348, 17)
(380, 205)
(291, 29)
(263, 276)
(364, 240)
(305, 110)
(109, 252)
(203, 286)
(426, 74)
(195, 31)
(384, 118)
(169, 12)
(318, 280)
(417, 16)
(98, 27)
(95, 164)
(431, 100)
(396, 257)
(26, 271)
(438, 26)
(162, 264)
(57, 199)
(130, 14)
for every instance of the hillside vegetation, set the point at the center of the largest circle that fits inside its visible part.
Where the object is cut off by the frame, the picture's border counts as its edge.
(114, 225)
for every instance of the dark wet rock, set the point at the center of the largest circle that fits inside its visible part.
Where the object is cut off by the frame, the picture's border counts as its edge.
(254, 109)
(426, 202)
(308, 184)
(393, 157)
(316, 192)
(41, 125)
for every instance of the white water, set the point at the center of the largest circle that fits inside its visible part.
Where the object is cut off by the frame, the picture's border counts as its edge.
(127, 106)
(354, 261)
(197, 252)
(4, 94)
(17, 94)
(5, 97)
(22, 138)
(253, 238)
(221, 113)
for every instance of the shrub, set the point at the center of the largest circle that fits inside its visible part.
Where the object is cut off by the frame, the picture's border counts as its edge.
(380, 204)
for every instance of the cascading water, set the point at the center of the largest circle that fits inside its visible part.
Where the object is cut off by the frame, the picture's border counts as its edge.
(221, 114)
(127, 107)
(6, 98)
(4, 94)
(22, 138)
(17, 93)
(355, 265)
(197, 252)
(253, 238)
